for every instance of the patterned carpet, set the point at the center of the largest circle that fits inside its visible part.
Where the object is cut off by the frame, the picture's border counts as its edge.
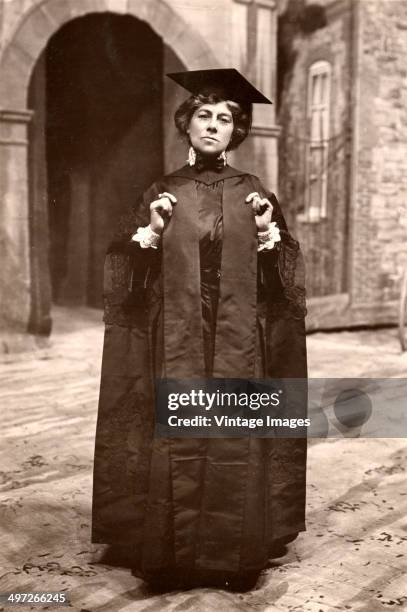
(353, 556)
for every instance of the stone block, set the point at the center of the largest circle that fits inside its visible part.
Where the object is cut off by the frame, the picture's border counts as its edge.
(60, 11)
(84, 7)
(117, 6)
(33, 35)
(15, 73)
(139, 8)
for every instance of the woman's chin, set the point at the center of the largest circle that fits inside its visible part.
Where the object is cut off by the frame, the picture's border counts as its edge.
(208, 150)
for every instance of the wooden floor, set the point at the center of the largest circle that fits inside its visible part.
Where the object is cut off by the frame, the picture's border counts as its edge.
(353, 556)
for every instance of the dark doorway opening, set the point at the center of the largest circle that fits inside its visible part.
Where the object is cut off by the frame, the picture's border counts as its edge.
(96, 143)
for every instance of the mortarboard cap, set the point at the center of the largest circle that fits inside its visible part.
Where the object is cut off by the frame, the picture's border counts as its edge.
(227, 81)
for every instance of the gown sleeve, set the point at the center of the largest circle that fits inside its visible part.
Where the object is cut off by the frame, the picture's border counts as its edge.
(128, 266)
(282, 268)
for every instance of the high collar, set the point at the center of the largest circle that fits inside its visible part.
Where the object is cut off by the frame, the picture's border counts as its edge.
(208, 162)
(207, 176)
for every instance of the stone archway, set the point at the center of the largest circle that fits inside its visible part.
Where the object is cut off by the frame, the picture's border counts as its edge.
(44, 19)
(16, 64)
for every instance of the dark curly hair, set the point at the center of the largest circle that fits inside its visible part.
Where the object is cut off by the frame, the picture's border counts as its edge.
(241, 113)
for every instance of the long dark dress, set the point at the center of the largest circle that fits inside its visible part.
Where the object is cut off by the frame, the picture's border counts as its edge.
(197, 505)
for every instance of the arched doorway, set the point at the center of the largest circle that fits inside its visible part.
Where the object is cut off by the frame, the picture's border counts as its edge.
(102, 117)
(26, 277)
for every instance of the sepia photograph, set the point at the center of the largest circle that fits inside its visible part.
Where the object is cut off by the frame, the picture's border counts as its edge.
(203, 305)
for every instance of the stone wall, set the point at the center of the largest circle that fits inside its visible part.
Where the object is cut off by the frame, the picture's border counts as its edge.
(366, 41)
(324, 241)
(380, 190)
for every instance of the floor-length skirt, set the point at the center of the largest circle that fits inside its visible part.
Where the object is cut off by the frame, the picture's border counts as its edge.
(191, 507)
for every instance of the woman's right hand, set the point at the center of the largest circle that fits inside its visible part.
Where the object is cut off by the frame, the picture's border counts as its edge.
(160, 210)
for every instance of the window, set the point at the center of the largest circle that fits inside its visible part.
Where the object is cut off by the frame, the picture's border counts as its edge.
(319, 86)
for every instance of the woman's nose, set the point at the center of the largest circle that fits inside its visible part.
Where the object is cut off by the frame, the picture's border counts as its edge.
(212, 126)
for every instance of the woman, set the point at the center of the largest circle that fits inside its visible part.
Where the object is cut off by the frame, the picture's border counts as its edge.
(203, 279)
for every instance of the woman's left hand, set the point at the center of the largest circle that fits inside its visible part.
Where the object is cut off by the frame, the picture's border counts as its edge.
(263, 210)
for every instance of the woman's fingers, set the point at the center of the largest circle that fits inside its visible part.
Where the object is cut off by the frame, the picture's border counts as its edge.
(171, 197)
(252, 196)
(164, 203)
(265, 204)
(168, 200)
(259, 205)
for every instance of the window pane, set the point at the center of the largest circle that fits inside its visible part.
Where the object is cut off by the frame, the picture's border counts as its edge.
(324, 88)
(315, 126)
(318, 113)
(315, 89)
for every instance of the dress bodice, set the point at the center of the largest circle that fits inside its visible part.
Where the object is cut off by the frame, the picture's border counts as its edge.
(210, 222)
(209, 187)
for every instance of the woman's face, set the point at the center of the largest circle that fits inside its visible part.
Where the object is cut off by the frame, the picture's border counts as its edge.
(211, 128)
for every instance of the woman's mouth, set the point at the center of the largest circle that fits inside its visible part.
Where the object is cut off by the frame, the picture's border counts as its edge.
(210, 138)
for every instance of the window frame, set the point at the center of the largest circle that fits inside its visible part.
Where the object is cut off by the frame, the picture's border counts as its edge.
(319, 68)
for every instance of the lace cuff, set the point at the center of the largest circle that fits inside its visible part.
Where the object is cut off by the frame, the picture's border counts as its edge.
(267, 239)
(146, 238)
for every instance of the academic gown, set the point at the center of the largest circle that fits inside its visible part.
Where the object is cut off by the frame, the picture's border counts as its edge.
(205, 303)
